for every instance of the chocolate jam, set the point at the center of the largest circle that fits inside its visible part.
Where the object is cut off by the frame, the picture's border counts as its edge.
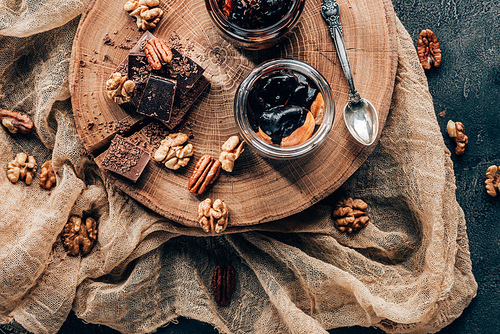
(278, 103)
(255, 14)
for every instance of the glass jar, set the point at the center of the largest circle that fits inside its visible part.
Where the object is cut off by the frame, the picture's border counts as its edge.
(254, 39)
(253, 139)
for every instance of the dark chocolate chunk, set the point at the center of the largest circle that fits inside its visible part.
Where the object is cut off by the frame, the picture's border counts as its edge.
(125, 158)
(182, 69)
(158, 98)
(138, 71)
(183, 103)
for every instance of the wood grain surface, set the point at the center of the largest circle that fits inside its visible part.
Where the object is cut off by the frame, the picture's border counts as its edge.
(259, 189)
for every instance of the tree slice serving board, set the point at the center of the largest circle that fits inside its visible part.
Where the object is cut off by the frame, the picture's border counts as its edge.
(259, 189)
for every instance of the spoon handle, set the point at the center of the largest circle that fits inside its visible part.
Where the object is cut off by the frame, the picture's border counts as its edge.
(331, 12)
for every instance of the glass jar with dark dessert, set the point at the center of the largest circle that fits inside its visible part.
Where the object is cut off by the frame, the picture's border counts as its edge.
(254, 24)
(284, 108)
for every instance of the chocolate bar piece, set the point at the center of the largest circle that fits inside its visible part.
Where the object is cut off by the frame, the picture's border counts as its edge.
(183, 103)
(125, 158)
(182, 69)
(138, 71)
(158, 98)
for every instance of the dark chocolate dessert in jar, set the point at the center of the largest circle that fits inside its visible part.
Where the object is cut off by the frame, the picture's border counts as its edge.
(254, 24)
(284, 108)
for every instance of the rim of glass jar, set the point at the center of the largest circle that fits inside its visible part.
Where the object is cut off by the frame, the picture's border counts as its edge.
(277, 152)
(255, 35)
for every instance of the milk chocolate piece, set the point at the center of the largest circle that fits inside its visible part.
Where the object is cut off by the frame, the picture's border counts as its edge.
(182, 69)
(158, 98)
(125, 158)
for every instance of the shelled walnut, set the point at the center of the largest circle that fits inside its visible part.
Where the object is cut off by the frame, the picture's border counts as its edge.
(223, 284)
(172, 151)
(349, 215)
(213, 217)
(231, 150)
(119, 88)
(146, 12)
(157, 53)
(47, 175)
(205, 173)
(492, 181)
(22, 168)
(429, 52)
(456, 131)
(77, 237)
(16, 122)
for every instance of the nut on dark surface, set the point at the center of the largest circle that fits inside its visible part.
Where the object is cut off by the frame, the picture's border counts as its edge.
(492, 182)
(223, 284)
(428, 49)
(77, 237)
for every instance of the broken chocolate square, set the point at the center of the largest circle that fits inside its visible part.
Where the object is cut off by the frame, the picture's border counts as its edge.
(158, 98)
(183, 103)
(182, 69)
(125, 158)
(138, 71)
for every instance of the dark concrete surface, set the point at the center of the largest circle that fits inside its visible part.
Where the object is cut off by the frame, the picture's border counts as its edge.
(467, 86)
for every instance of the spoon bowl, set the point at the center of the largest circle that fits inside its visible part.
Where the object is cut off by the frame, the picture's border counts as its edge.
(361, 120)
(360, 116)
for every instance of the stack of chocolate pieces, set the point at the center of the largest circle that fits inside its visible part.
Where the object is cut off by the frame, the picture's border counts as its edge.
(166, 94)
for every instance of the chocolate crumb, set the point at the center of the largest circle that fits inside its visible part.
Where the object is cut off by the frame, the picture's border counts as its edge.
(82, 63)
(108, 41)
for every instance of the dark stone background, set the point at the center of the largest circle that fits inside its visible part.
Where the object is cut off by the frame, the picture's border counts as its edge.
(467, 86)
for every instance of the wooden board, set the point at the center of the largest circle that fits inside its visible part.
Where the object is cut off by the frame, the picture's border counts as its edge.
(259, 190)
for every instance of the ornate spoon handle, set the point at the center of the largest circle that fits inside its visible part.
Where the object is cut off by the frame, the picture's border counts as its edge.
(331, 12)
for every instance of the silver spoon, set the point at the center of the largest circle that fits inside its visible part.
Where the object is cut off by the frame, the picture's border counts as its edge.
(360, 116)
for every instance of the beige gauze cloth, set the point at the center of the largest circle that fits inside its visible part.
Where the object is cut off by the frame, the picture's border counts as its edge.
(408, 271)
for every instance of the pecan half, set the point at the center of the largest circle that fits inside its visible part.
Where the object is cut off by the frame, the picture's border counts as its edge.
(16, 122)
(223, 284)
(205, 173)
(157, 53)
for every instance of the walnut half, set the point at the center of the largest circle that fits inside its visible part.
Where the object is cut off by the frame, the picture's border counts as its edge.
(213, 217)
(456, 131)
(146, 12)
(349, 215)
(492, 181)
(429, 52)
(22, 168)
(172, 151)
(119, 88)
(47, 175)
(77, 237)
(231, 150)
(16, 122)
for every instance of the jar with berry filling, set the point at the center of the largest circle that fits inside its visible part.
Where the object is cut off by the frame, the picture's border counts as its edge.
(254, 24)
(284, 109)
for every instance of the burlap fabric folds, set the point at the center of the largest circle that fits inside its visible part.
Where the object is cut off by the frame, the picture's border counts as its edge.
(408, 271)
